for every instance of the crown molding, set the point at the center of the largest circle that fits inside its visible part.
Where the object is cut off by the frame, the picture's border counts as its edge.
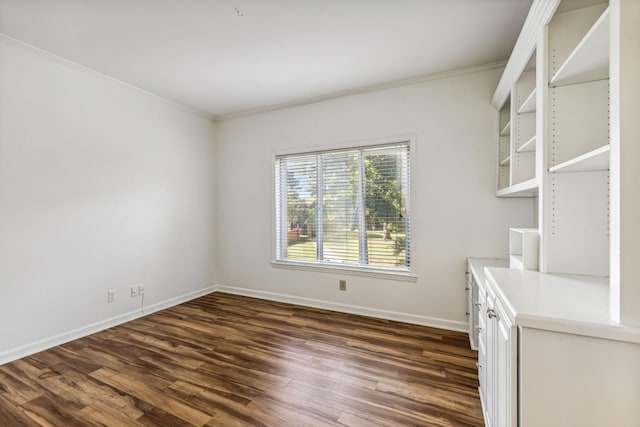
(66, 62)
(363, 90)
(349, 92)
(539, 15)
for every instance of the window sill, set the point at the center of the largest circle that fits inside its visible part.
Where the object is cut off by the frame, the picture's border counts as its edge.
(351, 270)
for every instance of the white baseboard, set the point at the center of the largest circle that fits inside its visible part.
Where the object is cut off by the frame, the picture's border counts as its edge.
(35, 347)
(74, 334)
(415, 319)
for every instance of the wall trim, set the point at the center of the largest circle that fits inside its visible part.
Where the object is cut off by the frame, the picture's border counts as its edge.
(59, 339)
(74, 334)
(415, 319)
(296, 103)
(363, 90)
(67, 62)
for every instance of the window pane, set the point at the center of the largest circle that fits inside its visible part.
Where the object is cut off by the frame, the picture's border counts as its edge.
(345, 207)
(385, 212)
(301, 208)
(339, 207)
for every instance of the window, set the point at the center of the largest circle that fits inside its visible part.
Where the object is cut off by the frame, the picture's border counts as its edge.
(345, 207)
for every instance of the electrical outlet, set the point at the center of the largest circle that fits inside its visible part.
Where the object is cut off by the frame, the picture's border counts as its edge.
(343, 285)
(134, 291)
(111, 295)
(140, 289)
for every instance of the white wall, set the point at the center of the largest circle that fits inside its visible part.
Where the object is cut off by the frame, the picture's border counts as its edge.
(455, 213)
(102, 186)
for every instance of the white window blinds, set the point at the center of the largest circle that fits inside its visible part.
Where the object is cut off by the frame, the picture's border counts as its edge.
(348, 207)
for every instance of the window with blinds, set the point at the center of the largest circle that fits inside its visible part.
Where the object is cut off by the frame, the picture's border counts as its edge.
(347, 207)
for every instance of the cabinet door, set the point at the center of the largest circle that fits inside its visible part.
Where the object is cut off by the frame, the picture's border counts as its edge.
(481, 312)
(490, 371)
(471, 318)
(505, 374)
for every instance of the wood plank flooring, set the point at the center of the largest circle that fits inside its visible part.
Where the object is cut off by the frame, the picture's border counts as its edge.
(225, 360)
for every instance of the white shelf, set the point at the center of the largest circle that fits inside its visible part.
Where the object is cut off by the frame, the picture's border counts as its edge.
(589, 61)
(506, 161)
(528, 146)
(523, 189)
(529, 105)
(596, 160)
(506, 130)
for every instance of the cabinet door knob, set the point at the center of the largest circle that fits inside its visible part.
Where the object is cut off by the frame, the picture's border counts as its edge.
(491, 313)
(478, 328)
(478, 305)
(479, 366)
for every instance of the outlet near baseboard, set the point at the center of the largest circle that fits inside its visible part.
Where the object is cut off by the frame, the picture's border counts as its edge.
(343, 285)
(137, 290)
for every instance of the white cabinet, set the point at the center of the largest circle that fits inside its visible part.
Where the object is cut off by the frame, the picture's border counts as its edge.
(472, 312)
(482, 350)
(554, 357)
(504, 365)
(500, 372)
(490, 360)
(495, 343)
(475, 278)
(608, 390)
(548, 352)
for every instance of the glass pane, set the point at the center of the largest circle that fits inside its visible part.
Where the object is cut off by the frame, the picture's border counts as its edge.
(386, 207)
(363, 218)
(339, 207)
(301, 208)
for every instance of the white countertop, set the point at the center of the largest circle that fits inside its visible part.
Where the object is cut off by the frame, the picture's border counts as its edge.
(477, 265)
(557, 302)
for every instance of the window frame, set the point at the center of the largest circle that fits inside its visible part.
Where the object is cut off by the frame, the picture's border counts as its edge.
(358, 270)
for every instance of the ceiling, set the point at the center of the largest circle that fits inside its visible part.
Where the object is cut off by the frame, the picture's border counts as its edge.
(223, 57)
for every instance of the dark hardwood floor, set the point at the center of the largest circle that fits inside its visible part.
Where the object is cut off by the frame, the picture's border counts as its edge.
(225, 360)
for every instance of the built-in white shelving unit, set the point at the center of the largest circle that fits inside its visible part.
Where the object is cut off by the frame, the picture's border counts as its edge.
(524, 125)
(577, 172)
(517, 139)
(573, 147)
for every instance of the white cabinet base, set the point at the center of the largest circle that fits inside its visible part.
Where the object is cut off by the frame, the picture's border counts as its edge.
(573, 380)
